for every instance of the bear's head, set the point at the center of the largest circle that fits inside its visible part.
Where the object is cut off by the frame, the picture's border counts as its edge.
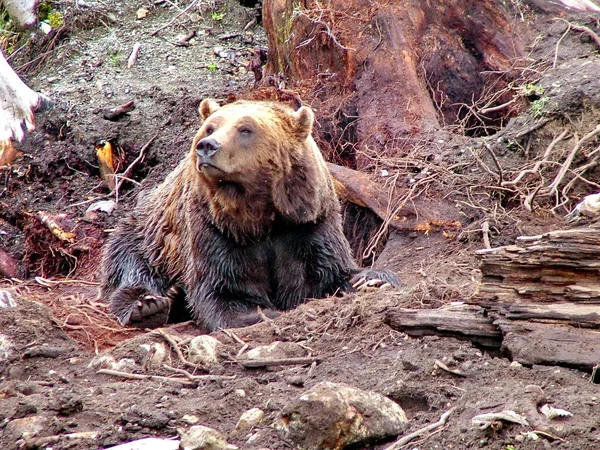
(260, 158)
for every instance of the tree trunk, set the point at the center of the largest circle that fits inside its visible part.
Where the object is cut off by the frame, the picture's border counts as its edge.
(381, 74)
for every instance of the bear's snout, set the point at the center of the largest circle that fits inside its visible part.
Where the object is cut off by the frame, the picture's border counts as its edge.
(207, 147)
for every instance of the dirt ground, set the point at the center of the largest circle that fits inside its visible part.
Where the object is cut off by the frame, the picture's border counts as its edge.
(58, 326)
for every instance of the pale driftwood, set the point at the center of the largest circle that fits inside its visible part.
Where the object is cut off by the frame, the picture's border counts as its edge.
(400, 443)
(549, 343)
(256, 363)
(468, 322)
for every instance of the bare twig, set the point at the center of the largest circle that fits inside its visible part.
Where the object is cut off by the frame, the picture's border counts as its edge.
(127, 173)
(496, 162)
(138, 376)
(409, 437)
(254, 363)
(193, 377)
(167, 337)
(485, 230)
(168, 24)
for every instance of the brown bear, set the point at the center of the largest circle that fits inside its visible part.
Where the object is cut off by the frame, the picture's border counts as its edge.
(248, 219)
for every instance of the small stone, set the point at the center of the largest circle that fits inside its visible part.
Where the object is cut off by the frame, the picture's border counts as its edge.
(250, 419)
(240, 393)
(203, 349)
(27, 427)
(515, 365)
(277, 350)
(200, 437)
(142, 13)
(190, 420)
(154, 355)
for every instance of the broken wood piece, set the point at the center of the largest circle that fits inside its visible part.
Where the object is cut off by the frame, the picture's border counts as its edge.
(106, 162)
(135, 52)
(494, 420)
(52, 224)
(256, 363)
(438, 365)
(185, 40)
(551, 344)
(459, 321)
(556, 267)
(117, 112)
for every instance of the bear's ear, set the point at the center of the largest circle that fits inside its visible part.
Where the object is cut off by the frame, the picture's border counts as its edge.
(207, 107)
(303, 120)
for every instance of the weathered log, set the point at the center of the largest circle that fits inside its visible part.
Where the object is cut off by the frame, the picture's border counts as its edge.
(416, 215)
(463, 322)
(560, 266)
(550, 344)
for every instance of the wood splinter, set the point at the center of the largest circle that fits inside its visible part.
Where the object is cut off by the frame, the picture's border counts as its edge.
(116, 113)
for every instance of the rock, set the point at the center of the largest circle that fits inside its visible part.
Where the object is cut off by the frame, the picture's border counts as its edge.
(155, 355)
(333, 416)
(6, 347)
(250, 419)
(149, 444)
(276, 350)
(26, 428)
(203, 350)
(199, 437)
(190, 420)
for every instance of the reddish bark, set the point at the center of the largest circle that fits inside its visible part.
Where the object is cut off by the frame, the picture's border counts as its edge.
(381, 73)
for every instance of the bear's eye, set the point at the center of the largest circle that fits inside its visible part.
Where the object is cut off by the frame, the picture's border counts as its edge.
(209, 130)
(245, 130)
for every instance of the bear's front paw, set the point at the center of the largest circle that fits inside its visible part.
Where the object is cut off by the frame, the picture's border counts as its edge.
(375, 279)
(136, 307)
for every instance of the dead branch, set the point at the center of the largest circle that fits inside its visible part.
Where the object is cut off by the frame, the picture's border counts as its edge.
(115, 113)
(586, 30)
(134, 55)
(538, 164)
(137, 376)
(193, 377)
(255, 363)
(409, 437)
(496, 162)
(168, 24)
(167, 337)
(127, 173)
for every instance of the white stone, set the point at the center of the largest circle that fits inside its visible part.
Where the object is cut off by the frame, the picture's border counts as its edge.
(250, 419)
(203, 349)
(200, 437)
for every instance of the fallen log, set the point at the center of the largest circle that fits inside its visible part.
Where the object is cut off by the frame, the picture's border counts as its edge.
(550, 344)
(462, 322)
(409, 215)
(544, 295)
(556, 267)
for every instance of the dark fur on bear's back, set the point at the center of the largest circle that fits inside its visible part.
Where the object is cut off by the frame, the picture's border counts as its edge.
(255, 224)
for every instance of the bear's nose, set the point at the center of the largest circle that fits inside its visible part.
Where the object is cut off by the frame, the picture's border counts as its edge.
(207, 146)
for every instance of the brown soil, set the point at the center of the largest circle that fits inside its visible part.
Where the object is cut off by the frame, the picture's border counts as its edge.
(59, 326)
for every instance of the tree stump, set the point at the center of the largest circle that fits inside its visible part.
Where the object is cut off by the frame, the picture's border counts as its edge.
(381, 74)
